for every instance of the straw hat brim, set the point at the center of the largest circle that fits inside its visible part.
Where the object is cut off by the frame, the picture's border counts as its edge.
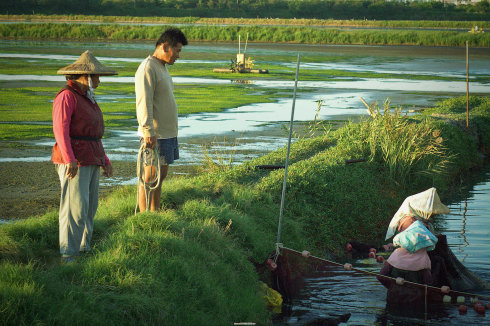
(87, 64)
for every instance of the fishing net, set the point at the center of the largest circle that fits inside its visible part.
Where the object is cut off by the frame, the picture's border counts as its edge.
(285, 270)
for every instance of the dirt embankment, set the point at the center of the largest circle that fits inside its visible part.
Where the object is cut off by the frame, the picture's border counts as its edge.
(32, 188)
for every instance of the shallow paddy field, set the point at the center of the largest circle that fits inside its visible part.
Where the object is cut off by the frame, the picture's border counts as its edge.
(238, 115)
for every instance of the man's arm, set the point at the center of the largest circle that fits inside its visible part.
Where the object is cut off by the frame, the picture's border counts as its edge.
(144, 89)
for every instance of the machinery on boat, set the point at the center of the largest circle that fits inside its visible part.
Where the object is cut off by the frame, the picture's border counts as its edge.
(476, 30)
(242, 64)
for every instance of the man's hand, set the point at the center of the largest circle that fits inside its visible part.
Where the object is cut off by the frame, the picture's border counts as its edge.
(107, 171)
(72, 170)
(150, 141)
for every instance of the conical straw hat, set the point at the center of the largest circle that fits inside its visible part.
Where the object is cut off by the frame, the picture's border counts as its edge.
(87, 64)
(421, 206)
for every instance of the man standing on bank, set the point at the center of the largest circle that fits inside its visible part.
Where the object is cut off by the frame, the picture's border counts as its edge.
(156, 110)
(78, 127)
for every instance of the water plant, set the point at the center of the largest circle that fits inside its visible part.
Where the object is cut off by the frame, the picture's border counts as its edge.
(217, 156)
(313, 128)
(405, 146)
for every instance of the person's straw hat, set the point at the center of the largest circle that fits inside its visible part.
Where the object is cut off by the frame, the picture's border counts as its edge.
(87, 64)
(421, 206)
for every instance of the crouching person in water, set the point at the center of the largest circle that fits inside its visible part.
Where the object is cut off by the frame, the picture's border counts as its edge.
(412, 264)
(78, 153)
(410, 261)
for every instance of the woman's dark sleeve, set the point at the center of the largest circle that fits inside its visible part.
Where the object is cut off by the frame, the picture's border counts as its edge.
(427, 276)
(386, 271)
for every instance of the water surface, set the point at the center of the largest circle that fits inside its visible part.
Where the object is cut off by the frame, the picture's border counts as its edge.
(341, 97)
(336, 291)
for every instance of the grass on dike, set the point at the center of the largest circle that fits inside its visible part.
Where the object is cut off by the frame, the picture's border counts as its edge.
(275, 34)
(252, 21)
(187, 265)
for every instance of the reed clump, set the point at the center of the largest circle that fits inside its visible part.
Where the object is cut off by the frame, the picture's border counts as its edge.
(219, 156)
(277, 34)
(406, 147)
(250, 21)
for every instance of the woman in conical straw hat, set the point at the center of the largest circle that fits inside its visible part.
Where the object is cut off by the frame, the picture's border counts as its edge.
(415, 238)
(78, 153)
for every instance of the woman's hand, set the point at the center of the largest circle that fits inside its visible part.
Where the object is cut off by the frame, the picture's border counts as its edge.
(107, 171)
(72, 170)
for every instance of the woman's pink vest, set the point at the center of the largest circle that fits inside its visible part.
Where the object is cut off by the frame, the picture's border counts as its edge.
(86, 131)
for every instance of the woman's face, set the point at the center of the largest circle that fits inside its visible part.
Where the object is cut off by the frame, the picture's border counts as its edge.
(405, 223)
(95, 81)
(83, 80)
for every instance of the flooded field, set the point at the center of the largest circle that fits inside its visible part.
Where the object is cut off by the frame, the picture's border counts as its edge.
(339, 76)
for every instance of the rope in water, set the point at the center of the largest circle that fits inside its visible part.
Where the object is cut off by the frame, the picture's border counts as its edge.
(466, 294)
(141, 163)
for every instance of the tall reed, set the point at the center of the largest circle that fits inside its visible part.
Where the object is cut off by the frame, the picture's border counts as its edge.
(218, 156)
(407, 147)
(250, 21)
(276, 34)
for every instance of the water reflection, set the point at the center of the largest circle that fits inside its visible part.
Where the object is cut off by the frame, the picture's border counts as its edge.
(432, 86)
(468, 230)
(71, 58)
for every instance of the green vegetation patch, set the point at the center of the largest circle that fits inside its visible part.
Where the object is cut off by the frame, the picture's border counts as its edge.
(215, 98)
(276, 34)
(26, 105)
(250, 21)
(21, 121)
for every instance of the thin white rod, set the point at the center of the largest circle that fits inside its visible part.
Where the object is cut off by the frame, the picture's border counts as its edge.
(287, 155)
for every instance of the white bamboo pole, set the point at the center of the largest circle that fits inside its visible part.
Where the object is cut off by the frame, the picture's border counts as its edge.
(281, 213)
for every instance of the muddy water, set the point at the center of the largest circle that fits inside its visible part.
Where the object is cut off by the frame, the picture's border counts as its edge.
(250, 130)
(336, 292)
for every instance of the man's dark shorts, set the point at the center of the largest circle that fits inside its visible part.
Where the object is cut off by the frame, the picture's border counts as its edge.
(169, 151)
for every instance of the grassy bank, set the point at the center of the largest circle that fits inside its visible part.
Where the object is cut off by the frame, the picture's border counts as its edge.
(276, 34)
(249, 21)
(188, 264)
